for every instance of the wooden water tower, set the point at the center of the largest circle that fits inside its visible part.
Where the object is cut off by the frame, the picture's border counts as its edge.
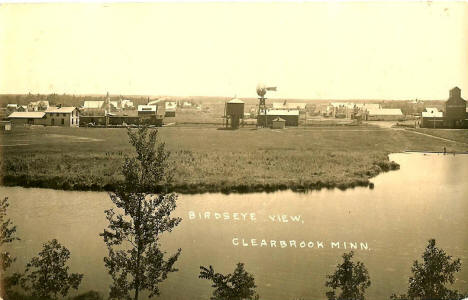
(234, 111)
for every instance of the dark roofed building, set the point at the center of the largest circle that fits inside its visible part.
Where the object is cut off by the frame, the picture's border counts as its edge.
(455, 109)
(454, 115)
(265, 119)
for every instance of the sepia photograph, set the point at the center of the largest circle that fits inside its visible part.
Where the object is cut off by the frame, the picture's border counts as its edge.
(268, 150)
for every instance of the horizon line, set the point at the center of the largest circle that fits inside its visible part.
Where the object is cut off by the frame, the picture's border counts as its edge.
(228, 97)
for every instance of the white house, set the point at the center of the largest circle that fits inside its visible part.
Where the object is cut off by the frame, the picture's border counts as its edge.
(62, 116)
(145, 110)
(40, 105)
(93, 105)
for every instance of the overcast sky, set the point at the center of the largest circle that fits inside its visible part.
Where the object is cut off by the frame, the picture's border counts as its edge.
(309, 50)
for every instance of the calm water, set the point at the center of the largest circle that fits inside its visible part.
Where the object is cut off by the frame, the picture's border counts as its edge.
(389, 225)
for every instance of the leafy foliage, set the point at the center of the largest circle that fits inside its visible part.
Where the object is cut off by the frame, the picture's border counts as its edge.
(7, 235)
(351, 277)
(46, 275)
(90, 295)
(236, 286)
(430, 277)
(135, 261)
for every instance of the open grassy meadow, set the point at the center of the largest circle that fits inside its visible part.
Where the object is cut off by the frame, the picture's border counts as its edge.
(459, 135)
(206, 159)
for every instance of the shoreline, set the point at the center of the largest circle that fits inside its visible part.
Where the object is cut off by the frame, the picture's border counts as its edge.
(60, 183)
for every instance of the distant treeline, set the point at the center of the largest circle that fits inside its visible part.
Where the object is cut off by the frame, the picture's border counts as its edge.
(63, 99)
(410, 108)
(406, 106)
(78, 100)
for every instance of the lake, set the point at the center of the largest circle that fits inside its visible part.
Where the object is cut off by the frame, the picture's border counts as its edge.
(387, 227)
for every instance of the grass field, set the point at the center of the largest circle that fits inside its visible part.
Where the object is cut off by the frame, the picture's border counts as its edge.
(459, 135)
(206, 159)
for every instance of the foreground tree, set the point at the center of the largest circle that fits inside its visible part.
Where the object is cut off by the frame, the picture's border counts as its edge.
(135, 261)
(430, 277)
(46, 275)
(7, 235)
(351, 277)
(236, 286)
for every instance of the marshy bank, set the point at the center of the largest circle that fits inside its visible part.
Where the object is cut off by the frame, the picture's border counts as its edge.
(251, 185)
(205, 172)
(210, 160)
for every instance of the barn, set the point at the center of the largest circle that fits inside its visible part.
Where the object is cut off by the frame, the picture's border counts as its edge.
(27, 118)
(93, 105)
(291, 117)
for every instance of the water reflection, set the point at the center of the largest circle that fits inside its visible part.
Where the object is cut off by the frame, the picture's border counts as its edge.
(425, 199)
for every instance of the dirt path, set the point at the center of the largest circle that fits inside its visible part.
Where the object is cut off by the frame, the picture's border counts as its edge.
(436, 137)
(389, 125)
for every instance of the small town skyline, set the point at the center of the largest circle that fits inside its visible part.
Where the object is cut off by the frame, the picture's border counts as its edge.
(224, 97)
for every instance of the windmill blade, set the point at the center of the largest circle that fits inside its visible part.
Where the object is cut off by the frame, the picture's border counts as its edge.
(262, 89)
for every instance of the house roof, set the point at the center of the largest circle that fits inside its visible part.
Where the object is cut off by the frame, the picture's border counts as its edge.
(154, 102)
(235, 100)
(288, 105)
(126, 102)
(296, 105)
(385, 112)
(343, 104)
(64, 109)
(93, 104)
(12, 105)
(34, 103)
(281, 112)
(371, 105)
(431, 109)
(27, 115)
(170, 105)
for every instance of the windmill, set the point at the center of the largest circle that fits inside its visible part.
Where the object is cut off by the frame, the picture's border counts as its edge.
(261, 92)
(107, 108)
